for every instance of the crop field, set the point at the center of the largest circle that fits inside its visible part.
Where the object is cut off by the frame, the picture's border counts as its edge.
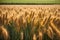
(29, 22)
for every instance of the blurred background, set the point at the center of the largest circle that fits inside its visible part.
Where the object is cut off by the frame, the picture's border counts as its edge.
(32, 1)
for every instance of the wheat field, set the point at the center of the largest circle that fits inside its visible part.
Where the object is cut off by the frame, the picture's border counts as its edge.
(29, 22)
